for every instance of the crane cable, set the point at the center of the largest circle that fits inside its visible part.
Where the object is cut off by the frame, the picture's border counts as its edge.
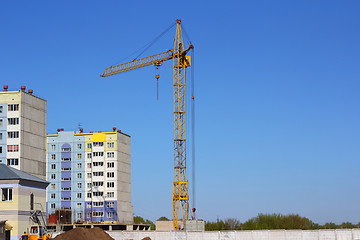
(193, 129)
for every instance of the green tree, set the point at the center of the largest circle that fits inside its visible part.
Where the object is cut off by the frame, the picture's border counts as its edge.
(163, 219)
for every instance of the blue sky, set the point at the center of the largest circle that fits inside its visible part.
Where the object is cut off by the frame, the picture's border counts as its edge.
(277, 94)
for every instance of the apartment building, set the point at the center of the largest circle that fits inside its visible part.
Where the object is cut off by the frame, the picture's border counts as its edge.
(23, 131)
(90, 174)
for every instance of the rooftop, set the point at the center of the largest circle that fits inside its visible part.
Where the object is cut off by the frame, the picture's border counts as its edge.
(9, 173)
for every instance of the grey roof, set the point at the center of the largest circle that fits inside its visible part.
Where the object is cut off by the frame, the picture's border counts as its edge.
(9, 173)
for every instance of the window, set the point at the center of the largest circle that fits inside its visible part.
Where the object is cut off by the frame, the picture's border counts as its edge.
(88, 215)
(79, 185)
(1, 122)
(6, 194)
(79, 156)
(0, 136)
(78, 195)
(98, 214)
(13, 121)
(0, 149)
(52, 146)
(13, 148)
(110, 174)
(98, 154)
(98, 174)
(110, 204)
(88, 185)
(110, 194)
(52, 196)
(79, 175)
(88, 194)
(89, 145)
(13, 107)
(88, 165)
(98, 184)
(98, 194)
(96, 164)
(98, 144)
(79, 165)
(88, 175)
(110, 154)
(14, 134)
(65, 169)
(1, 109)
(53, 166)
(52, 205)
(53, 186)
(53, 156)
(66, 149)
(53, 176)
(78, 146)
(110, 214)
(88, 205)
(13, 161)
(88, 155)
(110, 145)
(65, 159)
(66, 179)
(66, 198)
(110, 164)
(79, 215)
(98, 204)
(110, 184)
(66, 189)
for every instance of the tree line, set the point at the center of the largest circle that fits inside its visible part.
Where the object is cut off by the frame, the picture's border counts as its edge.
(274, 221)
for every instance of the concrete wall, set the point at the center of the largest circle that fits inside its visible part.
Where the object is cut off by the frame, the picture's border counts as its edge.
(338, 234)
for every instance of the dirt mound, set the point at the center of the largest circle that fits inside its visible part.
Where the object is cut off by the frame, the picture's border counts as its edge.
(146, 238)
(84, 234)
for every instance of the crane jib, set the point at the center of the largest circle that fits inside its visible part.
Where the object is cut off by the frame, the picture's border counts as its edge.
(138, 63)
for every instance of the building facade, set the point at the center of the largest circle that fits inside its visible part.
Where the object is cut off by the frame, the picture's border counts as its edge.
(23, 131)
(21, 194)
(90, 174)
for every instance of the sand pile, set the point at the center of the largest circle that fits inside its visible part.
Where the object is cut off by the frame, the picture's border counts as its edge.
(84, 234)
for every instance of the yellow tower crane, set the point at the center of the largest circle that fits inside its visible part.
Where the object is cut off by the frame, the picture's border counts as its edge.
(180, 195)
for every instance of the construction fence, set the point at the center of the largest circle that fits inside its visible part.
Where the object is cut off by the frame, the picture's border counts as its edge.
(338, 234)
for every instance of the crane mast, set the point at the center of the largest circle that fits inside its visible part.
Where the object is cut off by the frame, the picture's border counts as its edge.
(180, 195)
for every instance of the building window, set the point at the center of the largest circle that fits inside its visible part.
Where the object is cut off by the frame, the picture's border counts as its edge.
(89, 194)
(110, 214)
(98, 174)
(53, 186)
(13, 107)
(65, 169)
(98, 164)
(0, 149)
(110, 145)
(79, 175)
(98, 144)
(13, 161)
(52, 196)
(98, 214)
(13, 148)
(52, 146)
(98, 154)
(1, 122)
(110, 184)
(98, 184)
(79, 156)
(14, 134)
(110, 174)
(88, 205)
(66, 149)
(66, 179)
(0, 136)
(53, 176)
(79, 215)
(88, 165)
(13, 121)
(110, 164)
(65, 159)
(66, 189)
(6, 194)
(110, 204)
(78, 146)
(79, 165)
(110, 154)
(98, 204)
(53, 156)
(88, 185)
(52, 205)
(66, 198)
(98, 194)
(88, 155)
(88, 215)
(53, 166)
(110, 194)
(79, 185)
(78, 195)
(1, 109)
(88, 175)
(89, 145)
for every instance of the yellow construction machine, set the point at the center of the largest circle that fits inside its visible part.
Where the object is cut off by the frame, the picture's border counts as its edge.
(38, 231)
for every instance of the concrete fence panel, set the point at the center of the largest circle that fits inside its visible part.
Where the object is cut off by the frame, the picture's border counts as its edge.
(293, 235)
(277, 235)
(260, 235)
(310, 235)
(243, 235)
